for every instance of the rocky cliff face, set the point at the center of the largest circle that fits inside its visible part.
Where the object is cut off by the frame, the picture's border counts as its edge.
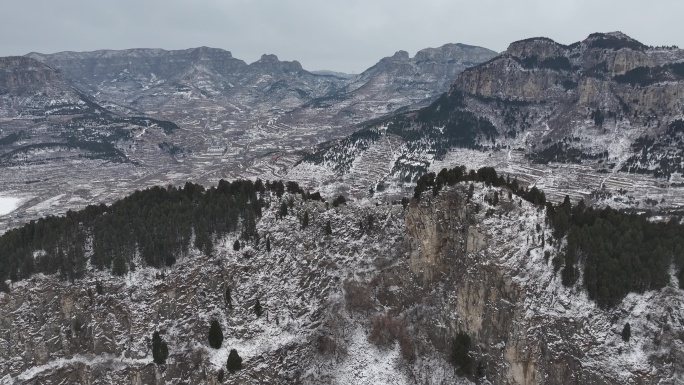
(31, 88)
(540, 70)
(495, 283)
(605, 105)
(18, 74)
(374, 305)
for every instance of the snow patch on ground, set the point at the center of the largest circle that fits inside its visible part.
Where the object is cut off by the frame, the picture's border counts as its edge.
(367, 365)
(7, 205)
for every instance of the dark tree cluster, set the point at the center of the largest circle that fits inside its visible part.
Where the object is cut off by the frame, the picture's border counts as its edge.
(605, 41)
(558, 63)
(487, 175)
(157, 224)
(619, 252)
(460, 354)
(563, 152)
(646, 76)
(445, 124)
(661, 156)
(160, 350)
(359, 140)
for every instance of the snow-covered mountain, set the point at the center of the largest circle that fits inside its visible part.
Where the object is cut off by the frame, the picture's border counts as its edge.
(220, 117)
(159, 80)
(607, 107)
(476, 279)
(378, 301)
(45, 120)
(394, 82)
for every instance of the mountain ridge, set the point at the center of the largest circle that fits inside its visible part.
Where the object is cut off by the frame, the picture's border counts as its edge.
(607, 104)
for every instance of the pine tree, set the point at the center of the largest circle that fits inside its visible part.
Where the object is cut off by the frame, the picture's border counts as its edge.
(305, 220)
(215, 335)
(283, 210)
(258, 310)
(229, 298)
(160, 351)
(460, 353)
(236, 245)
(626, 332)
(119, 265)
(327, 230)
(234, 361)
(268, 244)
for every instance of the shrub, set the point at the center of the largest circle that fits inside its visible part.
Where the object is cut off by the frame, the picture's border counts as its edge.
(215, 335)
(626, 332)
(358, 297)
(385, 330)
(258, 310)
(160, 351)
(460, 354)
(340, 200)
(234, 361)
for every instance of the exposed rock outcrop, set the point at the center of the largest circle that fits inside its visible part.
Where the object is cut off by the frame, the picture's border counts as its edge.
(496, 285)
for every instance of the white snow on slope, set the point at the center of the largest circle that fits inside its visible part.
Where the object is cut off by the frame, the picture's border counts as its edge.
(7, 205)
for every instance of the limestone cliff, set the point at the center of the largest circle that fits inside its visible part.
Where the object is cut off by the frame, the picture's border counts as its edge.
(495, 283)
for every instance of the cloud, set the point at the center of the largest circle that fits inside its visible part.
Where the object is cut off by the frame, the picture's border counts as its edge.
(346, 35)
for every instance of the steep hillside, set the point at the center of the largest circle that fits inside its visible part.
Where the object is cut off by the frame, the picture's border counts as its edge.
(453, 289)
(395, 82)
(606, 105)
(29, 88)
(46, 120)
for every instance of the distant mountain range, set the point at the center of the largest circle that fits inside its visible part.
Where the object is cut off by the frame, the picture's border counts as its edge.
(157, 81)
(197, 85)
(607, 103)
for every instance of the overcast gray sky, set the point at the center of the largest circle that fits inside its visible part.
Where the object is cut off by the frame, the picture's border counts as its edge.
(345, 35)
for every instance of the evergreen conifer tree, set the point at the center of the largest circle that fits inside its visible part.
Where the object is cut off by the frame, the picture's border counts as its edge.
(626, 332)
(229, 298)
(160, 351)
(460, 353)
(305, 220)
(258, 310)
(234, 362)
(215, 335)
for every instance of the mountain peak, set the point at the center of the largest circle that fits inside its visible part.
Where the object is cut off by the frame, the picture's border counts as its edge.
(450, 51)
(272, 60)
(613, 40)
(401, 55)
(541, 47)
(268, 58)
